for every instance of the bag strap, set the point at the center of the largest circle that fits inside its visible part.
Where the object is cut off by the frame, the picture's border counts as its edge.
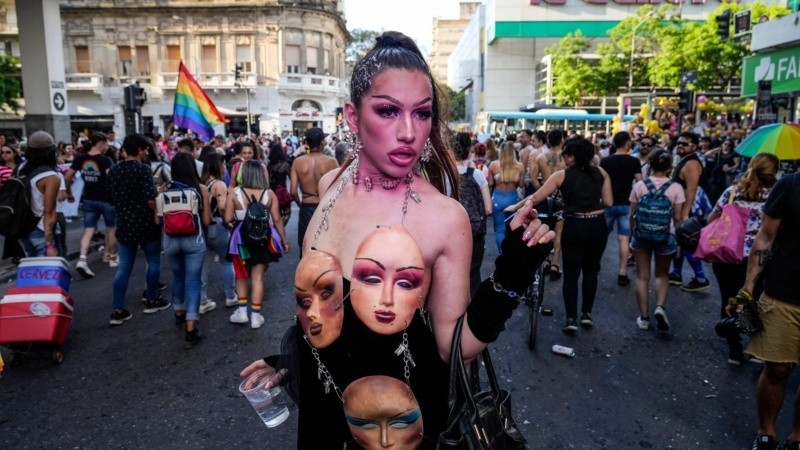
(733, 194)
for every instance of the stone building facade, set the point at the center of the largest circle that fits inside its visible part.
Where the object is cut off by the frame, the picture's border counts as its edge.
(291, 54)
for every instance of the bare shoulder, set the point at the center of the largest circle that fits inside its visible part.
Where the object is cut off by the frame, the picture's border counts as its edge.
(327, 181)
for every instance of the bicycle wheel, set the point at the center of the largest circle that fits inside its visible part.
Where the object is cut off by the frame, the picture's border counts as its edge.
(535, 307)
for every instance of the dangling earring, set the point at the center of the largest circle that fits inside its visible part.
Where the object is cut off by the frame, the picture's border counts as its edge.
(427, 151)
(354, 146)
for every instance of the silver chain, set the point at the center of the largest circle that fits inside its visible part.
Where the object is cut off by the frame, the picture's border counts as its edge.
(408, 360)
(513, 295)
(322, 371)
(326, 210)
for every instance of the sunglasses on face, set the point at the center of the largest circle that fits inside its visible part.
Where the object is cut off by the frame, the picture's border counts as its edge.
(683, 144)
(7, 153)
(646, 144)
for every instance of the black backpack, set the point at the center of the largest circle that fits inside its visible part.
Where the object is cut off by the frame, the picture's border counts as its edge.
(17, 219)
(472, 200)
(256, 228)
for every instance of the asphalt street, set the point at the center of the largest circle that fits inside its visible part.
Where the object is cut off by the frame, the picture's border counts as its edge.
(135, 386)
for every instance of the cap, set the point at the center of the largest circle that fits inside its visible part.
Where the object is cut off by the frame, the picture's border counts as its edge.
(603, 143)
(314, 136)
(41, 139)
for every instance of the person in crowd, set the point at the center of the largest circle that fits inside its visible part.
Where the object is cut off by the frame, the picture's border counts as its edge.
(394, 110)
(724, 171)
(775, 256)
(185, 254)
(132, 192)
(646, 250)
(161, 171)
(279, 172)
(505, 176)
(250, 259)
(479, 161)
(477, 200)
(305, 174)
(491, 152)
(689, 174)
(547, 163)
(94, 167)
(10, 159)
(248, 153)
(646, 145)
(527, 156)
(750, 193)
(623, 170)
(217, 233)
(45, 182)
(188, 146)
(585, 189)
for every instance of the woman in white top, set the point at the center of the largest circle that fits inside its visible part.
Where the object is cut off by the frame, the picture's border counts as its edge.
(250, 259)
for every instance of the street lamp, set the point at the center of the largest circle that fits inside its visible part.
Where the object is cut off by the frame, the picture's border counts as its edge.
(633, 44)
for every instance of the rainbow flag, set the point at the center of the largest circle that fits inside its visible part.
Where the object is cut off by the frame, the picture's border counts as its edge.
(193, 109)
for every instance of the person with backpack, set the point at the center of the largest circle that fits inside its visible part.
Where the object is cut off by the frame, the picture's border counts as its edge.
(656, 205)
(29, 199)
(586, 190)
(254, 210)
(475, 198)
(184, 209)
(162, 174)
(132, 192)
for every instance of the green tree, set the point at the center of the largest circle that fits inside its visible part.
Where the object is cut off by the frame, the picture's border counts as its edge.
(573, 75)
(10, 84)
(456, 103)
(360, 42)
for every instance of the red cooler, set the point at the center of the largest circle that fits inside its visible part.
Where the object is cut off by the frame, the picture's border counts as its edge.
(33, 315)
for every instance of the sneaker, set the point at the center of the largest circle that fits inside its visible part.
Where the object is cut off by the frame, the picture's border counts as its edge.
(695, 285)
(83, 268)
(662, 323)
(180, 319)
(106, 257)
(192, 338)
(642, 323)
(791, 445)
(231, 301)
(154, 306)
(586, 320)
(113, 261)
(675, 279)
(765, 442)
(117, 317)
(256, 320)
(623, 280)
(240, 315)
(570, 326)
(207, 306)
(161, 287)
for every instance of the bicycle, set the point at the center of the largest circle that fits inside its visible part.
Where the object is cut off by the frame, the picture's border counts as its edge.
(536, 297)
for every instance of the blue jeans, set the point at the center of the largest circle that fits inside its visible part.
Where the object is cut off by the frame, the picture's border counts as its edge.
(127, 256)
(185, 255)
(500, 201)
(33, 243)
(619, 215)
(217, 243)
(93, 209)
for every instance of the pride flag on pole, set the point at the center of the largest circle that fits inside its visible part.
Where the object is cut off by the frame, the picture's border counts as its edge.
(193, 109)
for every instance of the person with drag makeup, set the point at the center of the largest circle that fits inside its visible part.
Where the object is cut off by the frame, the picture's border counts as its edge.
(401, 175)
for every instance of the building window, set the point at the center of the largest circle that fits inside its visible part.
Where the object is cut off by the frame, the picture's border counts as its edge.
(143, 60)
(243, 58)
(209, 59)
(82, 62)
(312, 57)
(173, 57)
(293, 58)
(326, 62)
(125, 61)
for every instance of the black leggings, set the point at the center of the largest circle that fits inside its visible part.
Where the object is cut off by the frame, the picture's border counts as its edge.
(583, 242)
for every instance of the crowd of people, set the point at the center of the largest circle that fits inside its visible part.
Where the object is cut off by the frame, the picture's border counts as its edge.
(374, 291)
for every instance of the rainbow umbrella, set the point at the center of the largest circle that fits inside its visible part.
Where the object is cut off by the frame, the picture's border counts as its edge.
(779, 139)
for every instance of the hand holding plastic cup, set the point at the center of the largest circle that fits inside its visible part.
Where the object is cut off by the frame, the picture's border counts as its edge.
(263, 392)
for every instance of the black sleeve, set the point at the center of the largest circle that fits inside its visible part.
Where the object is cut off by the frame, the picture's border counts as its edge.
(774, 207)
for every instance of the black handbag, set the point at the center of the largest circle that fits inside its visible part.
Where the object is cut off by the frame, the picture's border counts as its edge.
(478, 419)
(688, 234)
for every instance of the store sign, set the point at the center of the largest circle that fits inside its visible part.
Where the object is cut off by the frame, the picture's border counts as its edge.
(782, 68)
(624, 2)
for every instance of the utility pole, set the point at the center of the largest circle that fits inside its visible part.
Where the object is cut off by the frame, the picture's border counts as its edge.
(237, 74)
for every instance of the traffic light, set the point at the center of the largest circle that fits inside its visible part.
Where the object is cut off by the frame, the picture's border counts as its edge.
(139, 96)
(724, 25)
(237, 71)
(134, 96)
(686, 101)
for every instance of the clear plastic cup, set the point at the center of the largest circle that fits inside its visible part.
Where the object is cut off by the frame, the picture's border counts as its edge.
(269, 402)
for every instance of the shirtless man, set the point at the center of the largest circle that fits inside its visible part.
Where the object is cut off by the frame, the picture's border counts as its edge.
(306, 172)
(546, 164)
(527, 156)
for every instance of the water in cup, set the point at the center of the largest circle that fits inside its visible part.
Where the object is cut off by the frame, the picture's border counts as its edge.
(269, 403)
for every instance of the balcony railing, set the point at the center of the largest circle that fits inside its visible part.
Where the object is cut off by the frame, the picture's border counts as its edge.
(323, 84)
(84, 75)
